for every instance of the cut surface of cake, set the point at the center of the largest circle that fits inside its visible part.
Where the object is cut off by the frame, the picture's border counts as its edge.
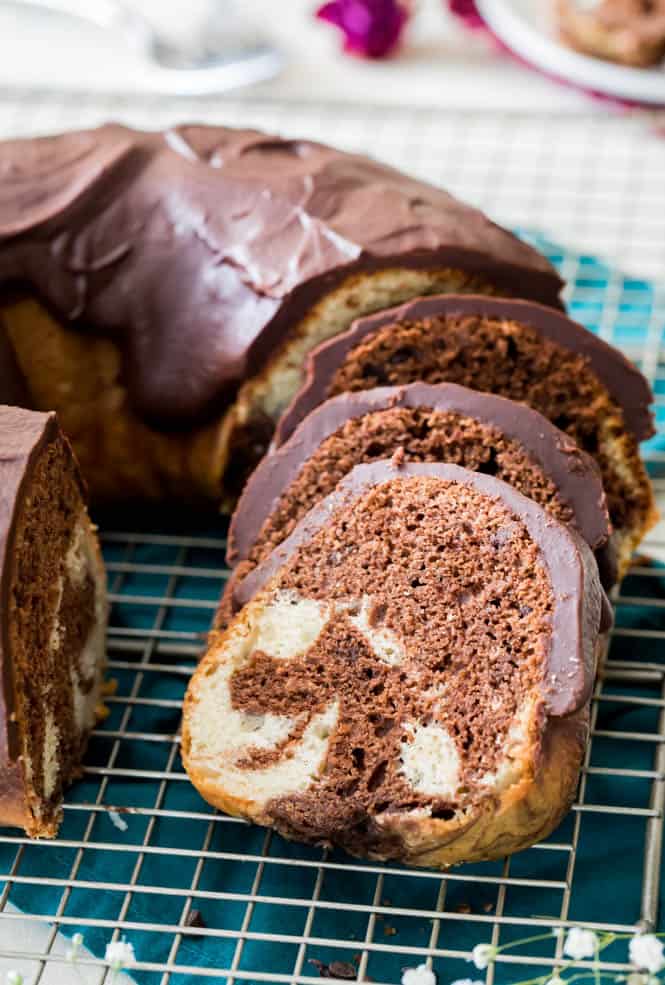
(630, 32)
(52, 620)
(160, 290)
(411, 677)
(515, 349)
(426, 423)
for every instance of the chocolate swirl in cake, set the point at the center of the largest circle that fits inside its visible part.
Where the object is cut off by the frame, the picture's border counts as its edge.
(411, 677)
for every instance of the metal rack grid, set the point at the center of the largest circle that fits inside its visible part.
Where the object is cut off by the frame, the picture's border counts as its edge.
(206, 897)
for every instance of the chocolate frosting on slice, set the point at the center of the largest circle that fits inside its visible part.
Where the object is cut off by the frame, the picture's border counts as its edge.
(581, 608)
(623, 381)
(574, 473)
(23, 437)
(200, 248)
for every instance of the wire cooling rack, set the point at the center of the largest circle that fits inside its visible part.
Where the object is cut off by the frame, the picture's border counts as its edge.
(205, 897)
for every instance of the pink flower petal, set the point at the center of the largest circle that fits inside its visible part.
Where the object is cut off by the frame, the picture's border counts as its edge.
(371, 28)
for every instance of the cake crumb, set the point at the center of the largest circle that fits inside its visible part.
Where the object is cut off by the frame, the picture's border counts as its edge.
(195, 919)
(117, 821)
(398, 459)
(336, 969)
(342, 969)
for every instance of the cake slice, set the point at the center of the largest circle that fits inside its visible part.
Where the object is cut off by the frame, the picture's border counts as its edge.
(630, 32)
(52, 620)
(428, 423)
(515, 349)
(411, 677)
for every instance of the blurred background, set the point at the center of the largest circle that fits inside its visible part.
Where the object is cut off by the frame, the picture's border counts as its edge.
(510, 118)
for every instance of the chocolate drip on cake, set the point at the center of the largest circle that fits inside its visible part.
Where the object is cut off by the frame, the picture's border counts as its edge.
(161, 290)
(250, 230)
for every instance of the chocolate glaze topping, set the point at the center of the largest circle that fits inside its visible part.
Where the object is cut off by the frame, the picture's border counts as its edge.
(623, 381)
(198, 249)
(581, 608)
(574, 473)
(23, 436)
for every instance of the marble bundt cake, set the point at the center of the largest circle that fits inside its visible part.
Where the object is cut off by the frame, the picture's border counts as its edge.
(160, 290)
(631, 32)
(411, 677)
(430, 423)
(52, 620)
(515, 349)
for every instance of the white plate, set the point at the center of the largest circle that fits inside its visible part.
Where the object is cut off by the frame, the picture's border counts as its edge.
(524, 27)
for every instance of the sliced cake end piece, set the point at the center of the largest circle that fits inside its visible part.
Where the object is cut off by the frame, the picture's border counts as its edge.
(411, 677)
(516, 349)
(52, 620)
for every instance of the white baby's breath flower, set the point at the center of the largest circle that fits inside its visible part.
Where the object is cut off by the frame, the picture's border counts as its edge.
(119, 954)
(14, 978)
(558, 932)
(646, 951)
(555, 980)
(422, 975)
(483, 955)
(72, 953)
(580, 943)
(467, 981)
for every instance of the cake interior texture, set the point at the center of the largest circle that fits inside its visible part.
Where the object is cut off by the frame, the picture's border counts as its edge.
(391, 668)
(425, 435)
(513, 360)
(57, 617)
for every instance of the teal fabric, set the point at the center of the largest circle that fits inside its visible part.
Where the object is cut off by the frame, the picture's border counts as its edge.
(606, 879)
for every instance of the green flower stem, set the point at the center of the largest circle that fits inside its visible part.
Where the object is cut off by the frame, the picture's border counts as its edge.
(526, 940)
(603, 940)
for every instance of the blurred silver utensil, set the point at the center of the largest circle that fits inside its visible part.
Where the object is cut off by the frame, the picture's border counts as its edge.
(217, 53)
